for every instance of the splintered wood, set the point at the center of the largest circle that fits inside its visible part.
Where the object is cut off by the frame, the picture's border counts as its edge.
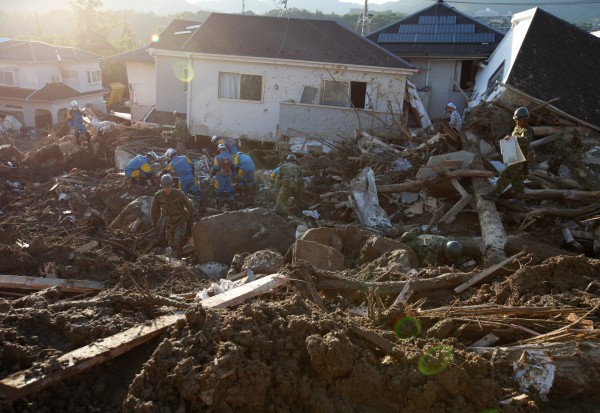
(35, 378)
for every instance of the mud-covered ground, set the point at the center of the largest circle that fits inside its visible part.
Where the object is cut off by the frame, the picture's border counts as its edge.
(279, 352)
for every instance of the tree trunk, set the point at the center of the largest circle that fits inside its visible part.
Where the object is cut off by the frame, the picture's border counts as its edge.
(492, 230)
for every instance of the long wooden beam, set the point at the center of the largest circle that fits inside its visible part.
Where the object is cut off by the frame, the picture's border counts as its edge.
(39, 283)
(34, 379)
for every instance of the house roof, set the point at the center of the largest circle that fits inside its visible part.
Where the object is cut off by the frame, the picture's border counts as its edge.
(557, 59)
(174, 36)
(34, 51)
(439, 30)
(139, 55)
(49, 93)
(322, 41)
(8, 92)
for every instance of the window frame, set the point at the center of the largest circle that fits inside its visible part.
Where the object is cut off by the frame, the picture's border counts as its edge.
(240, 76)
(94, 73)
(13, 74)
(365, 97)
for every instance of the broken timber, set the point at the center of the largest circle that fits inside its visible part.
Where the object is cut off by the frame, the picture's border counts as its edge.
(487, 272)
(34, 379)
(40, 283)
(462, 202)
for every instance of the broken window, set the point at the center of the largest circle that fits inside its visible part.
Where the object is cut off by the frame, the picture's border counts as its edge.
(344, 94)
(464, 75)
(496, 77)
(309, 95)
(94, 76)
(7, 78)
(240, 86)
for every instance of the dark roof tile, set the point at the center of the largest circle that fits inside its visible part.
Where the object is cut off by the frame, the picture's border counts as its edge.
(15, 92)
(323, 41)
(560, 60)
(59, 91)
(174, 36)
(139, 55)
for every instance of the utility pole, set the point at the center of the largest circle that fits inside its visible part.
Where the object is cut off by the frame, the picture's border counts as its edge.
(243, 7)
(365, 17)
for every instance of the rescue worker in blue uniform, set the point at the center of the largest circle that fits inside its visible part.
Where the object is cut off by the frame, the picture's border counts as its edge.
(230, 143)
(138, 169)
(244, 168)
(75, 120)
(184, 169)
(223, 170)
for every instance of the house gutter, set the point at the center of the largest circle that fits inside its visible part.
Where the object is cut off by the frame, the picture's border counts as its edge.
(551, 107)
(189, 91)
(285, 62)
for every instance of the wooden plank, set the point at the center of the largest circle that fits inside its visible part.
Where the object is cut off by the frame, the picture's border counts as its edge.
(32, 380)
(39, 283)
(486, 273)
(459, 206)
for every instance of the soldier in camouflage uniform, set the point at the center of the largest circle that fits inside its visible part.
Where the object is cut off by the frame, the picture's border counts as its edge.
(181, 133)
(433, 250)
(515, 174)
(289, 182)
(177, 211)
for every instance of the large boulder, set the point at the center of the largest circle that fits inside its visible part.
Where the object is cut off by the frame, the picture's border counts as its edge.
(319, 255)
(376, 246)
(219, 237)
(325, 236)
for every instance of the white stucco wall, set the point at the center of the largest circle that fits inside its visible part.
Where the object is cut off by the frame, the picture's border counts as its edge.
(506, 52)
(81, 82)
(281, 82)
(142, 87)
(143, 83)
(435, 81)
(169, 89)
(25, 74)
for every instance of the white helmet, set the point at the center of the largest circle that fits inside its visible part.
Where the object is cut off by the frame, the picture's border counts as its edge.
(170, 152)
(214, 139)
(74, 104)
(222, 146)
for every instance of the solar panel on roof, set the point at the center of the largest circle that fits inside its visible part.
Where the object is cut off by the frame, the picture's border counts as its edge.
(436, 28)
(437, 20)
(436, 38)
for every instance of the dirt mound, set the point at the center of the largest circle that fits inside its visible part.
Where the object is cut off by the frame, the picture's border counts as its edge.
(285, 357)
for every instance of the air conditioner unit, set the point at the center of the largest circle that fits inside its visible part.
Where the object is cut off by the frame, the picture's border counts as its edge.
(57, 78)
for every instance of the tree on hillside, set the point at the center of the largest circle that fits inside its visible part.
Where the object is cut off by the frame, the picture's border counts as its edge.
(92, 28)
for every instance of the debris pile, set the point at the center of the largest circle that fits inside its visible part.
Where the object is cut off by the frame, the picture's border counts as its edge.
(350, 316)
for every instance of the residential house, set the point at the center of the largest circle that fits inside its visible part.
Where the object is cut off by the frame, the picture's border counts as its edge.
(544, 60)
(260, 78)
(38, 81)
(141, 69)
(446, 46)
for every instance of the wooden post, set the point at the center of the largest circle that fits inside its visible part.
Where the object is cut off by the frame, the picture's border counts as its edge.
(40, 283)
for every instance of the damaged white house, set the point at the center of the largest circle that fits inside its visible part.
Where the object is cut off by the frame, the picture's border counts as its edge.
(544, 61)
(38, 81)
(260, 78)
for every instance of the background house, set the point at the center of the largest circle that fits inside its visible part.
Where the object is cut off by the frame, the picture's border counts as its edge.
(545, 60)
(141, 79)
(446, 46)
(258, 77)
(38, 81)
